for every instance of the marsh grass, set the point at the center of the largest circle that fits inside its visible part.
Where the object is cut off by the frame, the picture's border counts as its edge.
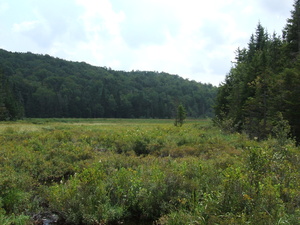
(101, 171)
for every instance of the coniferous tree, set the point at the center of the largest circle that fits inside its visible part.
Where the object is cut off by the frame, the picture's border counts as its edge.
(291, 32)
(10, 107)
(4, 115)
(264, 83)
(180, 115)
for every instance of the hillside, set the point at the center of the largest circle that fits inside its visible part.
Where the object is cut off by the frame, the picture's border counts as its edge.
(42, 86)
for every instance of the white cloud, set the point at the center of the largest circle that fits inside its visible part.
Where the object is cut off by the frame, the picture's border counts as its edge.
(99, 18)
(276, 6)
(4, 7)
(25, 26)
(194, 39)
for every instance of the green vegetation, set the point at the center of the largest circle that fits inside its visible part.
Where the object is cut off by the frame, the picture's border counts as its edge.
(40, 86)
(101, 171)
(180, 116)
(262, 89)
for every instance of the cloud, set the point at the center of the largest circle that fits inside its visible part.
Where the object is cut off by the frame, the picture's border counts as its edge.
(49, 24)
(278, 7)
(145, 22)
(104, 45)
(194, 39)
(3, 7)
(35, 30)
(25, 26)
(99, 18)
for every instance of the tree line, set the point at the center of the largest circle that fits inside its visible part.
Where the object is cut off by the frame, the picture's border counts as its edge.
(41, 86)
(262, 90)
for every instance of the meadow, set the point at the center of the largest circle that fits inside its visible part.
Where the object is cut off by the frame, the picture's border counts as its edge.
(125, 171)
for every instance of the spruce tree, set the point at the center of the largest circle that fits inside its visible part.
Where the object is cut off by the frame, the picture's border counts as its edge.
(180, 115)
(4, 115)
(291, 32)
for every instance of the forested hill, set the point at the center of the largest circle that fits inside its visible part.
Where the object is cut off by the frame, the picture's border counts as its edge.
(43, 86)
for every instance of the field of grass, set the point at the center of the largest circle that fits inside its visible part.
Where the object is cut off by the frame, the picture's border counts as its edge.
(112, 171)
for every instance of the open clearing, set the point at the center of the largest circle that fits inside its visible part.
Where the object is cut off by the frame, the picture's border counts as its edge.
(108, 171)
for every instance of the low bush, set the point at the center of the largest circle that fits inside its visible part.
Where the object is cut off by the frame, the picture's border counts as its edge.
(112, 172)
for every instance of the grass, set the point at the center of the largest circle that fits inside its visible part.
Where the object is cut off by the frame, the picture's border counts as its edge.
(105, 171)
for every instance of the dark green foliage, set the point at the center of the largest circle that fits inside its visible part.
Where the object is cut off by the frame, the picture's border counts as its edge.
(263, 83)
(180, 115)
(10, 106)
(291, 32)
(49, 87)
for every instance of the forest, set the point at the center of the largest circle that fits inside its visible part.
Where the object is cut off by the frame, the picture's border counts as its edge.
(261, 92)
(41, 86)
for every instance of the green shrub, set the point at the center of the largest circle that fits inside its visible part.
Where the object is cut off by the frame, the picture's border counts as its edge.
(15, 220)
(95, 173)
(83, 199)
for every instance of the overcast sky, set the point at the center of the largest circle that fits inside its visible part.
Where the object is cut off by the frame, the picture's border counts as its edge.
(194, 39)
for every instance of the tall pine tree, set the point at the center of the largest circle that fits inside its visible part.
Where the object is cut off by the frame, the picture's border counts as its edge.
(264, 83)
(291, 32)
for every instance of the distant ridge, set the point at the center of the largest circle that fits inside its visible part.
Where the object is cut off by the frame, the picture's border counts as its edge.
(41, 86)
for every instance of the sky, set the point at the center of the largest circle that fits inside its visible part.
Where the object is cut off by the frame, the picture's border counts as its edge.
(194, 39)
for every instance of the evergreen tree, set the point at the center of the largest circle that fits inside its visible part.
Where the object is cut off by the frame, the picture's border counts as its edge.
(4, 114)
(180, 115)
(264, 83)
(291, 32)
(10, 107)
